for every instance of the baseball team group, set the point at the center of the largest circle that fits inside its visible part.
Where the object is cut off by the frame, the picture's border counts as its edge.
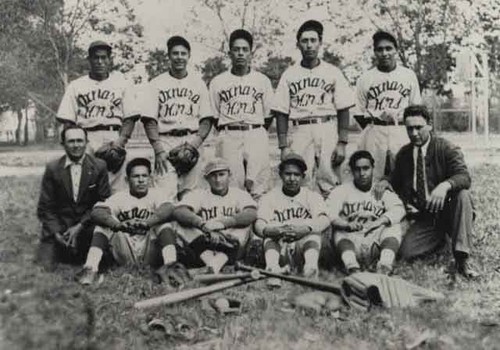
(408, 195)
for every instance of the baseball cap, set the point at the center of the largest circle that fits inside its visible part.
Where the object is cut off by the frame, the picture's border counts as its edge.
(310, 25)
(383, 35)
(99, 44)
(216, 164)
(293, 158)
(136, 162)
(241, 34)
(177, 40)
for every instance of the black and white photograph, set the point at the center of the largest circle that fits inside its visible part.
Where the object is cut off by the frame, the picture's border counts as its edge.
(249, 174)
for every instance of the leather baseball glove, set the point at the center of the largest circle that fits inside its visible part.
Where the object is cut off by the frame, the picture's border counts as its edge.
(174, 275)
(222, 243)
(183, 157)
(113, 155)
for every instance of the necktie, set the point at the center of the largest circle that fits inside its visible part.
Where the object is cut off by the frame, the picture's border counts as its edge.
(420, 179)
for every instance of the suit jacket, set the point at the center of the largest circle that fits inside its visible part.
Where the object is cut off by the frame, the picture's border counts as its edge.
(443, 162)
(57, 210)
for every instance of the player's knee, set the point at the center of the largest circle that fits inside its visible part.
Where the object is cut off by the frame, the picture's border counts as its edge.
(345, 245)
(100, 240)
(269, 244)
(391, 243)
(312, 244)
(167, 236)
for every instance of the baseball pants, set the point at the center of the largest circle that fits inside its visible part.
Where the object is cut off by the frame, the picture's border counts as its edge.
(247, 152)
(316, 143)
(428, 235)
(171, 182)
(383, 142)
(292, 253)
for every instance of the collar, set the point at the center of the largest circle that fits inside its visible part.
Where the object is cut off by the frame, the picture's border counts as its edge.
(319, 64)
(424, 146)
(69, 162)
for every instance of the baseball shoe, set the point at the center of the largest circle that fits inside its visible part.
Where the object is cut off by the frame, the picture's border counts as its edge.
(466, 268)
(273, 282)
(384, 269)
(86, 276)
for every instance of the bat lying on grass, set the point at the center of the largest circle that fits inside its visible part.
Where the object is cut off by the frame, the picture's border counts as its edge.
(187, 294)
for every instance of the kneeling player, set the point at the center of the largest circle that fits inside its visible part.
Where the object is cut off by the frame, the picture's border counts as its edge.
(126, 225)
(365, 228)
(290, 219)
(215, 224)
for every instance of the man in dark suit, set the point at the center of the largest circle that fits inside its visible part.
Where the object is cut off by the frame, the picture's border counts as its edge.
(432, 179)
(71, 185)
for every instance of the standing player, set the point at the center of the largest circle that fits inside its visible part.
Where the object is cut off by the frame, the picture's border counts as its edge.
(315, 97)
(126, 225)
(364, 226)
(99, 102)
(383, 93)
(177, 111)
(216, 223)
(293, 218)
(241, 101)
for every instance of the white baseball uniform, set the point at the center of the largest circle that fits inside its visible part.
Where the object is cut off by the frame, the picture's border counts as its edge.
(311, 98)
(388, 94)
(178, 105)
(99, 107)
(240, 104)
(303, 209)
(126, 248)
(353, 205)
(211, 206)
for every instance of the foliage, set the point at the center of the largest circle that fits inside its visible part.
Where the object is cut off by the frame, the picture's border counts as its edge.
(274, 67)
(212, 67)
(156, 63)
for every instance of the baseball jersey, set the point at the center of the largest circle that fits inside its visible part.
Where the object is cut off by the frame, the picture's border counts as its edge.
(124, 207)
(353, 205)
(320, 91)
(276, 207)
(241, 99)
(211, 206)
(391, 92)
(177, 103)
(90, 103)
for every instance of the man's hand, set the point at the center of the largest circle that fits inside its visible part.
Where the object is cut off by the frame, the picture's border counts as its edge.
(71, 234)
(293, 233)
(212, 225)
(354, 226)
(435, 203)
(274, 233)
(411, 210)
(161, 163)
(380, 187)
(59, 238)
(285, 151)
(338, 155)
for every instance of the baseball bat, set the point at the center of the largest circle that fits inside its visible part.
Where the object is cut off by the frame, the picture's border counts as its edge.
(219, 277)
(184, 295)
(318, 285)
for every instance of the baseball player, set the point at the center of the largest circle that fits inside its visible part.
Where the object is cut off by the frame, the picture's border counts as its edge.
(383, 92)
(126, 224)
(315, 97)
(177, 110)
(241, 101)
(365, 227)
(101, 102)
(291, 219)
(216, 223)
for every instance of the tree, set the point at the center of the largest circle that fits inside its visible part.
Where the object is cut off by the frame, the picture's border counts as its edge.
(156, 63)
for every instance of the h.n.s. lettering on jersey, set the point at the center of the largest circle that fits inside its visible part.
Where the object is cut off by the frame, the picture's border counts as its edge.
(310, 91)
(388, 95)
(176, 102)
(239, 99)
(99, 103)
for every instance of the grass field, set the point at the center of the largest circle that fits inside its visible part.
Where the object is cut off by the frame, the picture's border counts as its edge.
(42, 310)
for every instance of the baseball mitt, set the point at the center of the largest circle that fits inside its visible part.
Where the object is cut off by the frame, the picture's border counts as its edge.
(183, 157)
(173, 276)
(113, 155)
(223, 243)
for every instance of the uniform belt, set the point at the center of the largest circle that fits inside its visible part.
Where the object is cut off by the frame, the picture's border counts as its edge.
(314, 120)
(178, 132)
(376, 121)
(240, 127)
(104, 128)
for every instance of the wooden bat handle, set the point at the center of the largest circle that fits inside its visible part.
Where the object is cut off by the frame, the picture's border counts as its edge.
(219, 277)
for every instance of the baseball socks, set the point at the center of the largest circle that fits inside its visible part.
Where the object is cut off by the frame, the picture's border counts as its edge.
(349, 259)
(311, 257)
(389, 248)
(167, 240)
(94, 256)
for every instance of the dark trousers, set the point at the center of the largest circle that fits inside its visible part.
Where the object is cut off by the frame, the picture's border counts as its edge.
(427, 233)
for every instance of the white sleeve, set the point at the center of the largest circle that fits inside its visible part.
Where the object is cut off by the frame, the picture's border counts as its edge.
(361, 96)
(245, 200)
(192, 200)
(281, 100)
(67, 109)
(205, 108)
(214, 98)
(343, 95)
(147, 101)
(268, 97)
(317, 205)
(265, 209)
(112, 203)
(131, 106)
(395, 209)
(415, 98)
(334, 203)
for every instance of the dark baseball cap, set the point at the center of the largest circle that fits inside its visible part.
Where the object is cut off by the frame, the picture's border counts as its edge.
(216, 164)
(241, 34)
(136, 162)
(99, 44)
(293, 158)
(310, 25)
(383, 35)
(178, 40)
